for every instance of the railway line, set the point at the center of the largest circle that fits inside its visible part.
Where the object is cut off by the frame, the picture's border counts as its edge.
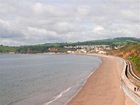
(130, 83)
(131, 75)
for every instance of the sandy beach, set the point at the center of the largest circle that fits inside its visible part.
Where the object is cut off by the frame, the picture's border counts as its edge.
(104, 86)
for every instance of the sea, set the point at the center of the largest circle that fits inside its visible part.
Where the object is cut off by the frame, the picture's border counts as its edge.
(43, 79)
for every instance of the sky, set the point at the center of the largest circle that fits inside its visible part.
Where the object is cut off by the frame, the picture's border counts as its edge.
(25, 22)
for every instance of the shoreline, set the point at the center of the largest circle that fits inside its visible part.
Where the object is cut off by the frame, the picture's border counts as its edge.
(84, 83)
(79, 88)
(102, 88)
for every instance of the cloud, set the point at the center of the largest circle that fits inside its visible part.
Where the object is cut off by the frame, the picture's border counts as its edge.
(7, 30)
(38, 8)
(83, 10)
(32, 22)
(33, 30)
(47, 9)
(98, 29)
(4, 23)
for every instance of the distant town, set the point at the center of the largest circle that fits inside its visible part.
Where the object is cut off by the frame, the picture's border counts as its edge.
(85, 49)
(105, 46)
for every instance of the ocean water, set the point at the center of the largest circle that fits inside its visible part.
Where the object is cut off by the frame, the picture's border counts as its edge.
(41, 79)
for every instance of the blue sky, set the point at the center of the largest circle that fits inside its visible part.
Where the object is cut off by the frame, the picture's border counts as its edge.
(24, 22)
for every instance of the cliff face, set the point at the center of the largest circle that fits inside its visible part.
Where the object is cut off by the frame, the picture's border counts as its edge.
(128, 50)
(129, 53)
(132, 53)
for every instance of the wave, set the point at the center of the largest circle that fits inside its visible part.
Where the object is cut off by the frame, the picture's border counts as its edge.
(58, 96)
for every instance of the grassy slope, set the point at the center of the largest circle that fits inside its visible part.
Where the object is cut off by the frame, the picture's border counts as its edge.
(136, 62)
(132, 53)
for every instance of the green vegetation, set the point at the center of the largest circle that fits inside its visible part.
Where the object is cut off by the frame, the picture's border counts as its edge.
(115, 41)
(42, 48)
(130, 51)
(59, 47)
(6, 49)
(136, 62)
(135, 47)
(32, 49)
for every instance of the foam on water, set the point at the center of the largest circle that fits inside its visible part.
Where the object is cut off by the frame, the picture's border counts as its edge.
(58, 96)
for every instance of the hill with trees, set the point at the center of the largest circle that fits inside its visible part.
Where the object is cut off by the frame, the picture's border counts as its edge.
(7, 49)
(41, 48)
(113, 41)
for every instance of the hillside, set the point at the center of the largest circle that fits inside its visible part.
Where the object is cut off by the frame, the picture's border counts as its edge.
(60, 46)
(132, 53)
(114, 41)
(7, 49)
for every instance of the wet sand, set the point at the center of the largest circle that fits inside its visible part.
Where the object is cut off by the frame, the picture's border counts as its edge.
(104, 86)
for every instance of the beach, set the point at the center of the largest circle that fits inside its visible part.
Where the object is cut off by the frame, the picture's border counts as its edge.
(104, 86)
